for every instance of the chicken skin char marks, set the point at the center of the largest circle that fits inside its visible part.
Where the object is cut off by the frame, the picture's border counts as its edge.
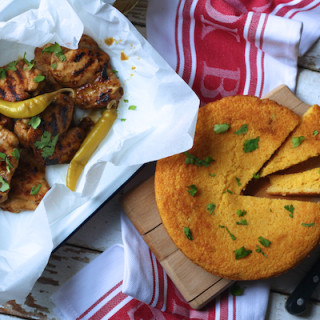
(51, 137)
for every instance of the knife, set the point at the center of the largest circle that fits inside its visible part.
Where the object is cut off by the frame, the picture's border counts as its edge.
(297, 301)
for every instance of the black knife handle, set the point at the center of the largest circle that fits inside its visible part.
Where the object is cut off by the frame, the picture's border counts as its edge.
(297, 301)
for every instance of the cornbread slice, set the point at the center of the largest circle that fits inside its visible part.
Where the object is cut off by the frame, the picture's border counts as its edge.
(308, 132)
(301, 183)
(240, 133)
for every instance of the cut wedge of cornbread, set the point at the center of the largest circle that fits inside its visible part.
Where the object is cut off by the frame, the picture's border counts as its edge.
(303, 144)
(234, 137)
(301, 183)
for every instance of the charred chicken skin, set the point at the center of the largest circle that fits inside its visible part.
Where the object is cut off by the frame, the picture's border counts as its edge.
(18, 81)
(9, 160)
(28, 185)
(86, 69)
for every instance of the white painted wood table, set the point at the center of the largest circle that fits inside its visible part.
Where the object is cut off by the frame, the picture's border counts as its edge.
(103, 229)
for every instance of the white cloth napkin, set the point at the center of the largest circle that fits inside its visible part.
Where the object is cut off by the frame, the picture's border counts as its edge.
(127, 282)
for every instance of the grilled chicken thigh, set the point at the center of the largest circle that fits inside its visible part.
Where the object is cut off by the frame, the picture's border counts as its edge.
(9, 160)
(17, 81)
(87, 69)
(28, 185)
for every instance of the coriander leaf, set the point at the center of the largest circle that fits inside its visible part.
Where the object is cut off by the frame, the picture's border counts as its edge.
(236, 290)
(256, 175)
(264, 242)
(229, 191)
(192, 189)
(34, 122)
(242, 252)
(47, 144)
(2, 73)
(4, 186)
(4, 157)
(315, 132)
(290, 209)
(191, 159)
(12, 66)
(259, 250)
(231, 235)
(213, 175)
(54, 65)
(35, 189)
(241, 213)
(242, 222)
(242, 130)
(123, 119)
(308, 224)
(29, 64)
(39, 78)
(132, 107)
(188, 233)
(211, 207)
(57, 50)
(250, 145)
(296, 141)
(125, 100)
(16, 153)
(238, 182)
(221, 128)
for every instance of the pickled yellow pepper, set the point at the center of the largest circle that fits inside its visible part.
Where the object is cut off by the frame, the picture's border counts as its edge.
(88, 146)
(30, 107)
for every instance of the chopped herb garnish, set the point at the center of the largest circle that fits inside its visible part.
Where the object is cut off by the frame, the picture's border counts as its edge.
(229, 191)
(296, 141)
(115, 71)
(192, 189)
(236, 290)
(132, 107)
(191, 159)
(4, 157)
(213, 175)
(29, 64)
(211, 207)
(4, 185)
(125, 100)
(11, 66)
(256, 175)
(188, 233)
(57, 50)
(242, 222)
(35, 189)
(54, 65)
(238, 182)
(266, 243)
(241, 213)
(250, 145)
(39, 78)
(221, 128)
(242, 252)
(34, 122)
(16, 153)
(242, 130)
(259, 250)
(308, 224)
(47, 144)
(231, 235)
(290, 209)
(123, 119)
(315, 132)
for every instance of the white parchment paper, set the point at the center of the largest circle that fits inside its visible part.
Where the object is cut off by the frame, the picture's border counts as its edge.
(162, 124)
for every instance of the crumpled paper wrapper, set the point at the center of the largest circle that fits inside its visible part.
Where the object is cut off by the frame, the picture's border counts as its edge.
(162, 124)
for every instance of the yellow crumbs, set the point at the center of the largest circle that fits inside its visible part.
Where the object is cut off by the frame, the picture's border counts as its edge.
(109, 41)
(124, 56)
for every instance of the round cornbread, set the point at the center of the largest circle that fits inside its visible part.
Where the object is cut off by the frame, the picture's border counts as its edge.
(200, 203)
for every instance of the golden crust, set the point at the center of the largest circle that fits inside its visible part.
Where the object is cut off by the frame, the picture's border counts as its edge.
(288, 155)
(301, 183)
(212, 247)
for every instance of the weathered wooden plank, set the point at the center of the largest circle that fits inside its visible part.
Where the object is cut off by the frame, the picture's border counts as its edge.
(311, 60)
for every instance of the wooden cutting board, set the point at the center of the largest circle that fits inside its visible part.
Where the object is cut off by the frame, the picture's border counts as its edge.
(196, 285)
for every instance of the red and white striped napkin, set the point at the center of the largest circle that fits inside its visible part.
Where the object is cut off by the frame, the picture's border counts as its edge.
(222, 47)
(127, 282)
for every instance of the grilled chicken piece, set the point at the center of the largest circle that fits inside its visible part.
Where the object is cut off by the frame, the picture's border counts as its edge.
(6, 122)
(8, 160)
(54, 141)
(28, 186)
(86, 69)
(17, 81)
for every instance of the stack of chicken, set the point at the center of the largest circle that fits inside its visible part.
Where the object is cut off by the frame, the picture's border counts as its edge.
(27, 145)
